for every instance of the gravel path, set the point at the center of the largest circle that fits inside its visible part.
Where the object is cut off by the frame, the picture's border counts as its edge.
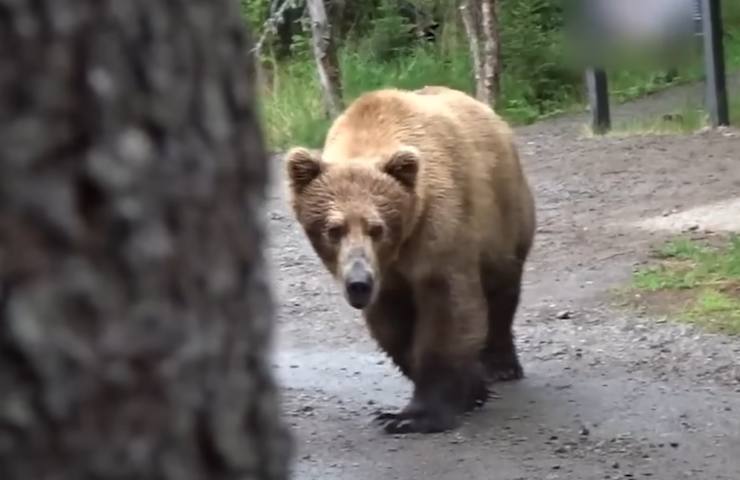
(608, 395)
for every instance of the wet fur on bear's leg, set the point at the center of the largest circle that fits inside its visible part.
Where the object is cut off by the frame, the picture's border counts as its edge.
(391, 319)
(448, 377)
(500, 356)
(502, 287)
(442, 393)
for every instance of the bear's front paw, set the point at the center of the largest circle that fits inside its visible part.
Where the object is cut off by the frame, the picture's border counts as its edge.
(504, 373)
(385, 417)
(423, 421)
(479, 396)
(502, 367)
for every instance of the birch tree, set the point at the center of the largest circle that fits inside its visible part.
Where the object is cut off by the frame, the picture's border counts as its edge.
(325, 53)
(480, 18)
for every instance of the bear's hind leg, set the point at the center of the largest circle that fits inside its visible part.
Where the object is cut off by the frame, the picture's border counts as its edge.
(446, 370)
(502, 287)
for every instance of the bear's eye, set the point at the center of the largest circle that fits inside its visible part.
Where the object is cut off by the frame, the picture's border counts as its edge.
(335, 232)
(375, 231)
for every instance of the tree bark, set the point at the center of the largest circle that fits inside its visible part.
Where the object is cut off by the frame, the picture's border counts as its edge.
(480, 18)
(470, 15)
(135, 312)
(491, 58)
(327, 63)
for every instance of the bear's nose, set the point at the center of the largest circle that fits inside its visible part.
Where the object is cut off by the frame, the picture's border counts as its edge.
(359, 285)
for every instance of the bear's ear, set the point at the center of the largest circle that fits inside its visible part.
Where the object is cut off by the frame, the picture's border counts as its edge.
(403, 165)
(303, 167)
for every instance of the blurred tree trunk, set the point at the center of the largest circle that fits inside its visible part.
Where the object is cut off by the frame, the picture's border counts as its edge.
(327, 63)
(480, 18)
(135, 313)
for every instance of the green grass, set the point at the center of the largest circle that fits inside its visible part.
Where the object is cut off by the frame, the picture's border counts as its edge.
(697, 283)
(716, 311)
(294, 114)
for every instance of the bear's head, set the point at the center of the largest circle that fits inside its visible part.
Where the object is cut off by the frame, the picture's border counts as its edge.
(356, 214)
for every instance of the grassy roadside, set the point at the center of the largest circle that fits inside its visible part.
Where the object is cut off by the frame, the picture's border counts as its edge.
(688, 118)
(293, 111)
(692, 281)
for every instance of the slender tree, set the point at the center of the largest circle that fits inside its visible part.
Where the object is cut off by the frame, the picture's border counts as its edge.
(325, 52)
(135, 313)
(480, 18)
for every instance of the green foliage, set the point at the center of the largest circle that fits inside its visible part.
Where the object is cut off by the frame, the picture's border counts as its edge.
(378, 48)
(536, 79)
(389, 34)
(256, 12)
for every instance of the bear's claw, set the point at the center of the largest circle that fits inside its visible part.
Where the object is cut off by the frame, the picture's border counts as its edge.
(504, 373)
(419, 422)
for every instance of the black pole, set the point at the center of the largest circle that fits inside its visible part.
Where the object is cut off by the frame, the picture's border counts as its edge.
(598, 97)
(714, 63)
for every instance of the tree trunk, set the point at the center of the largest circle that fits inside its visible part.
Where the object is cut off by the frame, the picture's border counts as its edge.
(480, 18)
(135, 312)
(491, 64)
(327, 64)
(470, 17)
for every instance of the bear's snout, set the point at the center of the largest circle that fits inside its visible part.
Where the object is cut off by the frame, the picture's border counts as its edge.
(359, 284)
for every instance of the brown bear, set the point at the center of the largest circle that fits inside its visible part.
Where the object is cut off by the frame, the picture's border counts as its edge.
(419, 207)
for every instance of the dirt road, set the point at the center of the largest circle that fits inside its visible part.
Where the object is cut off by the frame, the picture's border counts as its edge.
(608, 394)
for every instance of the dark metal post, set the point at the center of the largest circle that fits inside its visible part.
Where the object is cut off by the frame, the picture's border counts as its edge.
(714, 63)
(699, 32)
(598, 97)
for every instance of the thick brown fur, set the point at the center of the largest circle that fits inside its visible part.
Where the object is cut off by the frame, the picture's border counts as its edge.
(424, 192)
